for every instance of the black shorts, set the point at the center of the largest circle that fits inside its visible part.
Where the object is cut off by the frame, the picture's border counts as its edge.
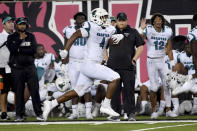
(7, 82)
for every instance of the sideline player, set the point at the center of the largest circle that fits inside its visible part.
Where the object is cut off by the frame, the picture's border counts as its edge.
(158, 37)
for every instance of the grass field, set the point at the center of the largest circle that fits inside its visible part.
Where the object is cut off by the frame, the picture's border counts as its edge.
(143, 123)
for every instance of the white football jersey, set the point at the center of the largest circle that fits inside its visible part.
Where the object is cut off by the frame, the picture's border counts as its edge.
(4, 52)
(45, 61)
(187, 62)
(175, 58)
(77, 49)
(192, 35)
(156, 41)
(60, 69)
(97, 40)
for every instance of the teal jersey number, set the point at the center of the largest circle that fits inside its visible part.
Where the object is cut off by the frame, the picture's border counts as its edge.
(159, 45)
(102, 43)
(80, 42)
(169, 66)
(190, 67)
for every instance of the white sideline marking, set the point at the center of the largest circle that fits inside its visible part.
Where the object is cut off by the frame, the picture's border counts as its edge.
(164, 127)
(95, 122)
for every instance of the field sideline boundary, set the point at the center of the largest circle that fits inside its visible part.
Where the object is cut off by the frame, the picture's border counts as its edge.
(96, 122)
(161, 127)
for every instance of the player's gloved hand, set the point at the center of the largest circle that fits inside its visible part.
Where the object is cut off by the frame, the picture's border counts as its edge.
(117, 37)
(63, 53)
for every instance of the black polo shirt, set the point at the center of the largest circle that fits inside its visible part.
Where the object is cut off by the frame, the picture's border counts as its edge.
(120, 56)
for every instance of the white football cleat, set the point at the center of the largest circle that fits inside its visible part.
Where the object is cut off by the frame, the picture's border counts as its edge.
(125, 116)
(89, 116)
(194, 110)
(154, 115)
(176, 111)
(171, 114)
(106, 108)
(47, 109)
(142, 112)
(73, 116)
(160, 112)
(95, 112)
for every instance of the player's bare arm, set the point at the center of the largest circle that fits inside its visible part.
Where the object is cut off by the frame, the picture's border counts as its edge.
(70, 41)
(137, 54)
(142, 27)
(64, 53)
(194, 56)
(170, 54)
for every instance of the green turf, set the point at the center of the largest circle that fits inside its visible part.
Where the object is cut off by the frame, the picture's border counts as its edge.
(101, 127)
(185, 117)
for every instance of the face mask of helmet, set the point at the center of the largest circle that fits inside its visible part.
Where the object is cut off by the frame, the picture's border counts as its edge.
(100, 17)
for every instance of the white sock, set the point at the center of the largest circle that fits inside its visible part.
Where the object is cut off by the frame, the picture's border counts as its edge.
(75, 109)
(88, 107)
(175, 102)
(54, 103)
(195, 101)
(107, 101)
(98, 105)
(143, 103)
(162, 104)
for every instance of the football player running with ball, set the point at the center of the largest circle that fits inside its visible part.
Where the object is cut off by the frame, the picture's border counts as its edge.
(98, 32)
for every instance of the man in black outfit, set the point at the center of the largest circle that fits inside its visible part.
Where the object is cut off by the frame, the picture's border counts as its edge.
(22, 46)
(122, 59)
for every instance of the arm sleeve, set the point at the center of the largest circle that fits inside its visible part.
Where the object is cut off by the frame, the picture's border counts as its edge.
(2, 40)
(170, 33)
(29, 50)
(145, 31)
(52, 58)
(85, 30)
(138, 39)
(64, 32)
(191, 37)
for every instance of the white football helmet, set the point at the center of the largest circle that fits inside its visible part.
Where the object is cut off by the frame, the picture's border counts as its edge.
(62, 84)
(175, 80)
(11, 97)
(98, 16)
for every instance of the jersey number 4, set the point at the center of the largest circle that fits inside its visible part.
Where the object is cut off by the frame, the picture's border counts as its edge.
(102, 43)
(159, 45)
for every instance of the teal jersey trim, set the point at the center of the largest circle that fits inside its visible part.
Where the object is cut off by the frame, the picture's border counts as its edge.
(88, 29)
(194, 37)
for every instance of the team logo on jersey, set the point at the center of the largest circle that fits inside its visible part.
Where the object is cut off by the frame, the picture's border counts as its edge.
(126, 34)
(25, 43)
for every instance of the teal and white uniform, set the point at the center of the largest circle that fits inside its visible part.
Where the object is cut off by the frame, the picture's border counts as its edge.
(156, 42)
(91, 69)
